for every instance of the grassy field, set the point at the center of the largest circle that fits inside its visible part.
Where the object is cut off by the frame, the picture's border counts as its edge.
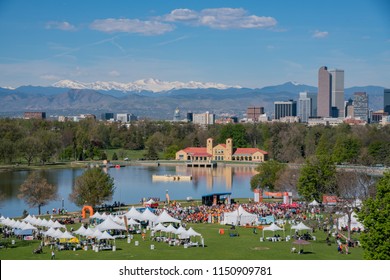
(246, 246)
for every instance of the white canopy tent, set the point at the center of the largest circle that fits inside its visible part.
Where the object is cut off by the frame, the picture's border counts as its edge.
(57, 233)
(27, 219)
(105, 235)
(343, 222)
(88, 232)
(65, 235)
(164, 217)
(301, 226)
(192, 232)
(57, 225)
(50, 223)
(314, 203)
(132, 222)
(17, 224)
(109, 224)
(134, 214)
(44, 223)
(181, 230)
(49, 232)
(147, 215)
(96, 215)
(246, 217)
(81, 230)
(159, 227)
(27, 226)
(96, 233)
(273, 227)
(231, 218)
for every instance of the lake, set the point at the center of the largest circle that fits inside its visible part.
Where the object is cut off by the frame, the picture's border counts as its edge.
(132, 183)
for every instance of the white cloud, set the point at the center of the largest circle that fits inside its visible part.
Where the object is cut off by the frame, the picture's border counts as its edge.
(61, 25)
(181, 15)
(112, 25)
(221, 18)
(320, 34)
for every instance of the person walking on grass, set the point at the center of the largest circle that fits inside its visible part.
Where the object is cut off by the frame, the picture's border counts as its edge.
(53, 255)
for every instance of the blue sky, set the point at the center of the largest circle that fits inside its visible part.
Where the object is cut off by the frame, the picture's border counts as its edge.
(247, 43)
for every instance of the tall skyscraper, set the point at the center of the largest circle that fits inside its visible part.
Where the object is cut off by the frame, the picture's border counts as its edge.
(324, 104)
(386, 100)
(337, 89)
(307, 105)
(285, 109)
(360, 105)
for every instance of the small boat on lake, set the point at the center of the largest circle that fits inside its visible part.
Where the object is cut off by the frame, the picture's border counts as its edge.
(174, 178)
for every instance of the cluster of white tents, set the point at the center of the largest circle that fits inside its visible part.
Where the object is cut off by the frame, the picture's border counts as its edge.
(30, 223)
(181, 231)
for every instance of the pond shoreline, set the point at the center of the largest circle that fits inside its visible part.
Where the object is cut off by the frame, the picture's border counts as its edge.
(86, 164)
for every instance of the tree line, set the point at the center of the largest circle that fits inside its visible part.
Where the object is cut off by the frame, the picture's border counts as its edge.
(42, 141)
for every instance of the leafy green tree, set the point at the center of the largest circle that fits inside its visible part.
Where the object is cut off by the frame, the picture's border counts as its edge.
(8, 150)
(170, 152)
(93, 187)
(49, 145)
(346, 149)
(380, 151)
(317, 177)
(29, 148)
(374, 215)
(235, 131)
(325, 145)
(268, 173)
(36, 191)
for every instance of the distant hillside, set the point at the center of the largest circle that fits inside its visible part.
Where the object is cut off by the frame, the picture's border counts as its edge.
(156, 105)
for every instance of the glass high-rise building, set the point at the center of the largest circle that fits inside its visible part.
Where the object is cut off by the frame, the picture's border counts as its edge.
(337, 89)
(307, 105)
(360, 105)
(386, 100)
(285, 109)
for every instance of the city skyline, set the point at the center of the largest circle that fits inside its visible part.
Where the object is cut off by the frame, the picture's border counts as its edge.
(251, 44)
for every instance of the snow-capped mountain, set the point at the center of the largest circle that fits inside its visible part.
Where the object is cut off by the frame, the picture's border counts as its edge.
(153, 85)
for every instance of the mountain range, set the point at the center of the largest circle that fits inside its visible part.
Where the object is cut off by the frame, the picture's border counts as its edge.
(156, 99)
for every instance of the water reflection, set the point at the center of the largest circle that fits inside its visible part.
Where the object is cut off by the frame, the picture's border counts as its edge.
(132, 184)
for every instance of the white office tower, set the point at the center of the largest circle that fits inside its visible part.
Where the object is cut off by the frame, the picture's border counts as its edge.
(204, 119)
(307, 105)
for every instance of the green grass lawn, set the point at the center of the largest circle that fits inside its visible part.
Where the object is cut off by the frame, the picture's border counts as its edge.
(246, 246)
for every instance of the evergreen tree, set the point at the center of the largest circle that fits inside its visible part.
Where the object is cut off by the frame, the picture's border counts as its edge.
(375, 215)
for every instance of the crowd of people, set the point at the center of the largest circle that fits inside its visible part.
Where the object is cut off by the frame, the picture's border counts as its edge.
(203, 213)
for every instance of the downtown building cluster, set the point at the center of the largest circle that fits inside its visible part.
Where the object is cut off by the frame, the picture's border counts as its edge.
(327, 106)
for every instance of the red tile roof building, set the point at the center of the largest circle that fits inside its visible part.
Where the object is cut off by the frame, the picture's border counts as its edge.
(221, 152)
